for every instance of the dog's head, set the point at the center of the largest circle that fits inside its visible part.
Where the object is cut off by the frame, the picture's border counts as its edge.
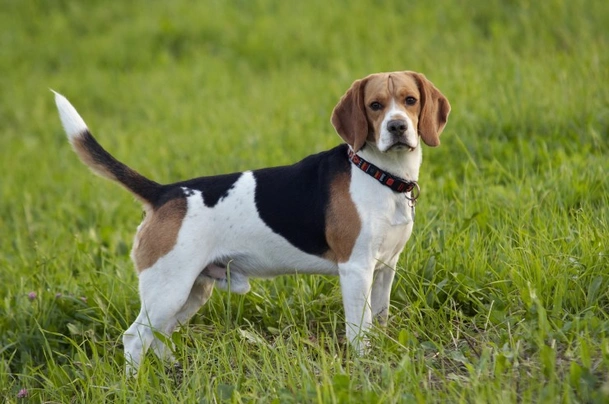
(390, 111)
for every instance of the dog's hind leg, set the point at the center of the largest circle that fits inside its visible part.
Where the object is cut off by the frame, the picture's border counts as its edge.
(199, 294)
(169, 294)
(136, 341)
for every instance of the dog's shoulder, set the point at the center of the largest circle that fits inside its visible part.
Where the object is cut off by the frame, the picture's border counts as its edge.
(292, 200)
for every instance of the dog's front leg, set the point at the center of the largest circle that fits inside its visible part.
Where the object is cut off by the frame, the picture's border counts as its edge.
(381, 291)
(356, 283)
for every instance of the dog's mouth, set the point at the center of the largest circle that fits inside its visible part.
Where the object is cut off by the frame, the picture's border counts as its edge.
(399, 146)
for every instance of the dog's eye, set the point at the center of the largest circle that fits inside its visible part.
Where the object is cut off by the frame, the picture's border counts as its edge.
(376, 106)
(410, 100)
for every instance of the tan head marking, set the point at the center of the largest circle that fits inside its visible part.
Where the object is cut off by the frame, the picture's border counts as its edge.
(391, 109)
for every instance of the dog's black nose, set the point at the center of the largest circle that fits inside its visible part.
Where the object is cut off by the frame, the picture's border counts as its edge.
(397, 127)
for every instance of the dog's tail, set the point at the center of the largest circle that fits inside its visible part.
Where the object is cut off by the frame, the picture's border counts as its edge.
(98, 159)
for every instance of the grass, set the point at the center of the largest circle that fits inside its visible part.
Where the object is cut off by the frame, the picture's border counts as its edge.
(502, 292)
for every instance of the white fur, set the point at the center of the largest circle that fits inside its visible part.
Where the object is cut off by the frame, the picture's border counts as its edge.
(72, 122)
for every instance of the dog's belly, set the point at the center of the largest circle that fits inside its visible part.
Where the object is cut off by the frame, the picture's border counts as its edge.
(269, 262)
(232, 270)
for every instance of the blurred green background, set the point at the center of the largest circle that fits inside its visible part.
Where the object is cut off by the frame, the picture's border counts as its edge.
(502, 291)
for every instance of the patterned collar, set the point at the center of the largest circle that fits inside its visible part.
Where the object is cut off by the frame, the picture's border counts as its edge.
(397, 184)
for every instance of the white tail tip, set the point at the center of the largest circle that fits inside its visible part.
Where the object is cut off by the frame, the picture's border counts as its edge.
(72, 123)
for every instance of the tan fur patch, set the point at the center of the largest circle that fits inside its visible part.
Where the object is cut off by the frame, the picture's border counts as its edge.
(343, 223)
(158, 233)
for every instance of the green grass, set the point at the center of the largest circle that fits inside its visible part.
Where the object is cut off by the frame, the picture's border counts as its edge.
(502, 293)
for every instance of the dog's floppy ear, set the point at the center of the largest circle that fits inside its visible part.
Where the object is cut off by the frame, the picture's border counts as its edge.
(349, 116)
(434, 111)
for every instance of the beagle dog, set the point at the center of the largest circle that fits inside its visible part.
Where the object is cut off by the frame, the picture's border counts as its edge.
(347, 211)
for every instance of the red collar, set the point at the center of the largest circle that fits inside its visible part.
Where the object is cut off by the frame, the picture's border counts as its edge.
(397, 184)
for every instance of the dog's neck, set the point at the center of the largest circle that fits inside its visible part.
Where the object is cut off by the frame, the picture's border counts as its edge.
(401, 163)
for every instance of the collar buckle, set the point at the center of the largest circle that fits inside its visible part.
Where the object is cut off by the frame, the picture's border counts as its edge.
(414, 194)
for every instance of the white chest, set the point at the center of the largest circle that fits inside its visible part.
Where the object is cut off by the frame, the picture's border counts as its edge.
(396, 231)
(387, 217)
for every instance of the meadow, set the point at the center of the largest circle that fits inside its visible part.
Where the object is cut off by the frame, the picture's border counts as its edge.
(502, 293)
